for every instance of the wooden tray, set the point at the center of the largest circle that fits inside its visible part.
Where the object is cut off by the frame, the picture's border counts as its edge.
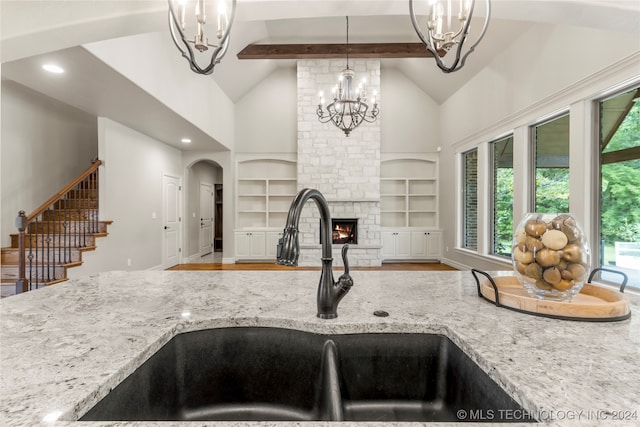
(594, 303)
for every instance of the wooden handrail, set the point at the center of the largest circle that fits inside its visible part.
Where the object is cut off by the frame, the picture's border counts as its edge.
(95, 164)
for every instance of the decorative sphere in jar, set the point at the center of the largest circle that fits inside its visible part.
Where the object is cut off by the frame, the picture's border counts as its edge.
(551, 255)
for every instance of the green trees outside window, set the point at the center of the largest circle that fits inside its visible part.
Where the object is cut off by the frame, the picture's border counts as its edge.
(502, 195)
(551, 165)
(470, 200)
(620, 183)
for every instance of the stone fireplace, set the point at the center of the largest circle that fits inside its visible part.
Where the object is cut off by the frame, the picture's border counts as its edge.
(346, 170)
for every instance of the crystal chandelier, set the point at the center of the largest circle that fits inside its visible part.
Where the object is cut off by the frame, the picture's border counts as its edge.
(441, 33)
(349, 107)
(198, 59)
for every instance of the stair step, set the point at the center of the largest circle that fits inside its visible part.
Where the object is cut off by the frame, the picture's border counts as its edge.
(37, 273)
(68, 214)
(8, 289)
(88, 184)
(72, 227)
(57, 240)
(11, 255)
(83, 193)
(76, 203)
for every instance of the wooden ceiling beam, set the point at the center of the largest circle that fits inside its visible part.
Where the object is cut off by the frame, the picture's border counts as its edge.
(331, 51)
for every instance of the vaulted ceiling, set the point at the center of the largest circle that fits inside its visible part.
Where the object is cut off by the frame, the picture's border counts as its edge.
(31, 28)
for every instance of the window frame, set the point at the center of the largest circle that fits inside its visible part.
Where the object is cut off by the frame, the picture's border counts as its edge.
(492, 197)
(597, 250)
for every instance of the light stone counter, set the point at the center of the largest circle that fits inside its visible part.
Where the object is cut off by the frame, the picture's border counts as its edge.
(64, 347)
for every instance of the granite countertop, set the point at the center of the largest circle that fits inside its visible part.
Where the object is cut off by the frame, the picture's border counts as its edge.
(64, 347)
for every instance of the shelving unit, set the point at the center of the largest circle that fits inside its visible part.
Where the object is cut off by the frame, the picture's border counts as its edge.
(409, 207)
(265, 190)
(409, 193)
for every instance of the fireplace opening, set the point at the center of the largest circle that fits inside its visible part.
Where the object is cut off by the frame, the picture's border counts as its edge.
(344, 230)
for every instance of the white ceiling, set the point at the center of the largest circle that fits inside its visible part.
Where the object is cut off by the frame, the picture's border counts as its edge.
(32, 28)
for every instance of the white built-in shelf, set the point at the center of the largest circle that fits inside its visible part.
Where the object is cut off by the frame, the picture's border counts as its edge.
(409, 192)
(265, 190)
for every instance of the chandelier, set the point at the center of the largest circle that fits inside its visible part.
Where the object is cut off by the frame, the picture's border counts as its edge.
(349, 107)
(194, 48)
(441, 33)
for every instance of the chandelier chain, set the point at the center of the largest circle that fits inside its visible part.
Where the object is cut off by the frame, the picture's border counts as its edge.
(347, 42)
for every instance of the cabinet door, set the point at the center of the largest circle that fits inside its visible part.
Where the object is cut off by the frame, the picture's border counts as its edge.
(388, 244)
(243, 244)
(272, 243)
(403, 244)
(258, 244)
(419, 244)
(434, 244)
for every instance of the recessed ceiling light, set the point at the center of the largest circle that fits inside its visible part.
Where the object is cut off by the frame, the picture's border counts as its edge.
(52, 68)
(185, 141)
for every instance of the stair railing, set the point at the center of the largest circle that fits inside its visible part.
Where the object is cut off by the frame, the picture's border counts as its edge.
(59, 225)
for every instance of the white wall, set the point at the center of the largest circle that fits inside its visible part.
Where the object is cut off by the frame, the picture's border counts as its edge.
(546, 70)
(266, 118)
(410, 119)
(45, 145)
(130, 193)
(152, 62)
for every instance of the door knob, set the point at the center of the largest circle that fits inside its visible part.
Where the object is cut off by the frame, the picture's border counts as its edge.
(166, 227)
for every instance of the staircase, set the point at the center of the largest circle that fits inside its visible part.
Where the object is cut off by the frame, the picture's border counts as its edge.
(53, 237)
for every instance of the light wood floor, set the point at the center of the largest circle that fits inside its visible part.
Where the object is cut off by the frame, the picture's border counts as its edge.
(416, 266)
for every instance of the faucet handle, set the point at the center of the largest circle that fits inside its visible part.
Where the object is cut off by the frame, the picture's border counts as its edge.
(345, 261)
(345, 281)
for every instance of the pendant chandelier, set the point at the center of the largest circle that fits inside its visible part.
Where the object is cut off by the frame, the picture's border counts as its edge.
(441, 34)
(349, 107)
(197, 47)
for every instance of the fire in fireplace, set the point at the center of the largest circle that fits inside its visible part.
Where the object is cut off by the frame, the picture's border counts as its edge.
(344, 230)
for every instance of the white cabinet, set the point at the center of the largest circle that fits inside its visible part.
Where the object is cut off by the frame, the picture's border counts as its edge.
(256, 244)
(250, 244)
(426, 244)
(411, 244)
(434, 244)
(396, 244)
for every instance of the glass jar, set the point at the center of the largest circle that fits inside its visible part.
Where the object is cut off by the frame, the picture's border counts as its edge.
(551, 255)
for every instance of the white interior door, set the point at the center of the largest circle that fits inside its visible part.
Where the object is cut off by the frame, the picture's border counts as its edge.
(206, 218)
(171, 217)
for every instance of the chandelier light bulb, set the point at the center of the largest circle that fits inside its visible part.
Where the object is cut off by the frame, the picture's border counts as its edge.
(445, 37)
(193, 35)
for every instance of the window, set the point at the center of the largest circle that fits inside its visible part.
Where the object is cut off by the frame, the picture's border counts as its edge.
(551, 165)
(502, 196)
(470, 200)
(619, 154)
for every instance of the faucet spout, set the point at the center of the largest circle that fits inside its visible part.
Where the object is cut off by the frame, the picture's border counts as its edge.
(330, 293)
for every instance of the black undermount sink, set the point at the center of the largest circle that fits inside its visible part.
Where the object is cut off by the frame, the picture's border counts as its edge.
(270, 374)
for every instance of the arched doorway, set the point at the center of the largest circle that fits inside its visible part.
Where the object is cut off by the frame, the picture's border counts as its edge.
(204, 212)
